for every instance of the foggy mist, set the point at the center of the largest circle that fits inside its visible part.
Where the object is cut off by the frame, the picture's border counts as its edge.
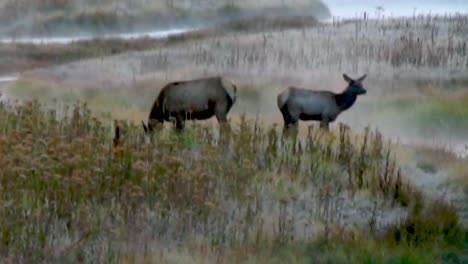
(80, 19)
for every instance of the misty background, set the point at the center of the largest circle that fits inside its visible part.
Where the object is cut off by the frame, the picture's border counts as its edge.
(73, 18)
(395, 8)
(23, 19)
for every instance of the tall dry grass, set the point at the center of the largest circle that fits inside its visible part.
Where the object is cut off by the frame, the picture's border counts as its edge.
(311, 57)
(69, 193)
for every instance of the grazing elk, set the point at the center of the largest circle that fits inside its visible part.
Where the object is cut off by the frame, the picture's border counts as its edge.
(301, 104)
(193, 99)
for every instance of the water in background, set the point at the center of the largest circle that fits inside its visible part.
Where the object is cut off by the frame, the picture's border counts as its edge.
(395, 8)
(8, 78)
(66, 40)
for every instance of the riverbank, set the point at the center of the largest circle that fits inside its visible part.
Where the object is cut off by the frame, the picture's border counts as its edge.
(30, 53)
(27, 53)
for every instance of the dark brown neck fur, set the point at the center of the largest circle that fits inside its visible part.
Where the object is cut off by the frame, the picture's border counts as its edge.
(345, 99)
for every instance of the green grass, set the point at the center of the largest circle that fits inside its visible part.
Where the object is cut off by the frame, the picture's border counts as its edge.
(364, 251)
(431, 234)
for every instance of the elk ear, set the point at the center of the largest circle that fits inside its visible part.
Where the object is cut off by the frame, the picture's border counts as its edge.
(347, 78)
(362, 78)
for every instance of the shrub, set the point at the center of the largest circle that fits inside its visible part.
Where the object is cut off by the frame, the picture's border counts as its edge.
(428, 226)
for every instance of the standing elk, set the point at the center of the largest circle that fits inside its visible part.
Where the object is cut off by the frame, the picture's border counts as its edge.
(193, 99)
(301, 104)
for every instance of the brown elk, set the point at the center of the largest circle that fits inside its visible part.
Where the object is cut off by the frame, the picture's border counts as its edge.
(301, 104)
(193, 99)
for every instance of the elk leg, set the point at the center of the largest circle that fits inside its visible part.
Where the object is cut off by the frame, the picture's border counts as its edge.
(291, 118)
(144, 127)
(221, 113)
(287, 118)
(290, 128)
(325, 124)
(152, 124)
(290, 125)
(180, 122)
(224, 128)
(221, 118)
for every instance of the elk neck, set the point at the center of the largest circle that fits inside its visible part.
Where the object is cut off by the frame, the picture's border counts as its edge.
(345, 99)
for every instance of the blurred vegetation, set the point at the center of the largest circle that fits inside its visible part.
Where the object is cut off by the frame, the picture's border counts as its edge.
(105, 103)
(440, 114)
(21, 57)
(358, 248)
(72, 193)
(77, 17)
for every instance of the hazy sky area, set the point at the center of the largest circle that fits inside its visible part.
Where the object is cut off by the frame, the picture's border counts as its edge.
(353, 8)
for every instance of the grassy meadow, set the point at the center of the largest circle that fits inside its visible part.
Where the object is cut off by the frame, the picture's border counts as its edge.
(416, 67)
(71, 191)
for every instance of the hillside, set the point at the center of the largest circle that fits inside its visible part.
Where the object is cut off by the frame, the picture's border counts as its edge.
(82, 17)
(71, 195)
